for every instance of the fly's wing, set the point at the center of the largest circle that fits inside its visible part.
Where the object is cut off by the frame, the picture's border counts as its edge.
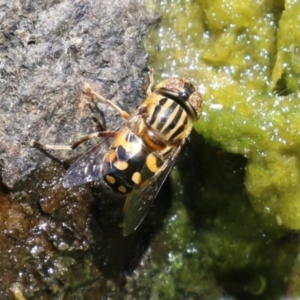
(139, 200)
(88, 167)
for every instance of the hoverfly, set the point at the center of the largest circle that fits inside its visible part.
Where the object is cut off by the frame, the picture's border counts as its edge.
(143, 150)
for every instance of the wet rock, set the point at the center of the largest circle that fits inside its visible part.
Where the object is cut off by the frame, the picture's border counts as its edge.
(55, 243)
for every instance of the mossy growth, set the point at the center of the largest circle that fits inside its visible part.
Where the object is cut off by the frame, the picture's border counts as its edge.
(245, 60)
(239, 182)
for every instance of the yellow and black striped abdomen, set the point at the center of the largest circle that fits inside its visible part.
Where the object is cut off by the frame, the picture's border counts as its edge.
(128, 163)
(167, 118)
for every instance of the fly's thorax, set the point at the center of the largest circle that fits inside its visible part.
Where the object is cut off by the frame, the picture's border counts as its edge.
(167, 121)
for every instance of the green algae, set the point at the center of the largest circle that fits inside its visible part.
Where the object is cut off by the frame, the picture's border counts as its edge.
(287, 66)
(237, 207)
(214, 246)
(242, 65)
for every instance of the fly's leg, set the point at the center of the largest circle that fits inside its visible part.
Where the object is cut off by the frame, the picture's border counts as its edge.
(87, 98)
(89, 92)
(46, 147)
(102, 134)
(151, 83)
(92, 94)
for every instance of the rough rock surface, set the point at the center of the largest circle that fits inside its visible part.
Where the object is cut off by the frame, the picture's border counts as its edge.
(56, 243)
(48, 49)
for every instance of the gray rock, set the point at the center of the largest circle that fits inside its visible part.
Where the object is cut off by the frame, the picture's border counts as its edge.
(48, 49)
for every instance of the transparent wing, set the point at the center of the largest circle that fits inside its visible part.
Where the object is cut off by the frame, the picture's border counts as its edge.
(88, 167)
(139, 200)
